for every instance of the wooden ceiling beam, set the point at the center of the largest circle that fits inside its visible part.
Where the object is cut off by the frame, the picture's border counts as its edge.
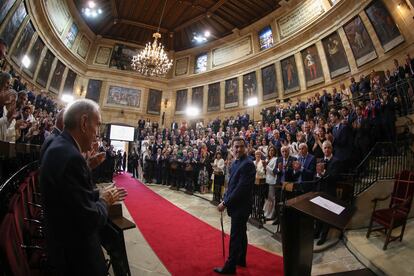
(114, 9)
(235, 15)
(196, 6)
(142, 25)
(223, 21)
(241, 7)
(209, 12)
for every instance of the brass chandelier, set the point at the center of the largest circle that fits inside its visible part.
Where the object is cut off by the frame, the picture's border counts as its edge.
(153, 61)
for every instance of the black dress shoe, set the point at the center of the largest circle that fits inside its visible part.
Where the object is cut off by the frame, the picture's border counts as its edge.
(224, 270)
(242, 264)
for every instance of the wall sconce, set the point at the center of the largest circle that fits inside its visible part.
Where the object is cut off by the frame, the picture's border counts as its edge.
(81, 91)
(165, 103)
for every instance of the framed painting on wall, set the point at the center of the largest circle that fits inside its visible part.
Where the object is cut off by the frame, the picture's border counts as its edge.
(56, 80)
(181, 101)
(5, 7)
(103, 55)
(231, 93)
(154, 102)
(290, 75)
(44, 71)
(312, 66)
(9, 32)
(360, 41)
(69, 82)
(335, 55)
(24, 41)
(34, 55)
(181, 66)
(213, 103)
(94, 90)
(269, 82)
(83, 47)
(58, 13)
(197, 97)
(249, 86)
(123, 96)
(71, 36)
(384, 25)
(122, 56)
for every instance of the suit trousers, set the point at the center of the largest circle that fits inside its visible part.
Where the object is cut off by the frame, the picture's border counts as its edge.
(238, 241)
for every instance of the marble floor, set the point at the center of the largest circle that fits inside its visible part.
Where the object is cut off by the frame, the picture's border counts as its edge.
(143, 260)
(396, 260)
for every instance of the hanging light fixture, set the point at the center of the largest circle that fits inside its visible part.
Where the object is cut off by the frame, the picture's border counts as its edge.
(153, 61)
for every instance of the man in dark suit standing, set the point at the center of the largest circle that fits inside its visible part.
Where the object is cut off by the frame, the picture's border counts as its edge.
(74, 212)
(327, 173)
(304, 170)
(342, 138)
(238, 201)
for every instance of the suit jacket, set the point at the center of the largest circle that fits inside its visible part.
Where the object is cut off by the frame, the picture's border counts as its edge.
(327, 183)
(74, 213)
(304, 178)
(238, 197)
(342, 144)
(53, 134)
(287, 173)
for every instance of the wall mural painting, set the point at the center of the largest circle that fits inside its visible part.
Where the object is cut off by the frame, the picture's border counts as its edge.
(360, 41)
(94, 90)
(154, 102)
(9, 32)
(197, 97)
(231, 95)
(269, 82)
(384, 25)
(83, 47)
(69, 82)
(122, 57)
(312, 66)
(249, 86)
(57, 77)
(290, 75)
(23, 43)
(335, 55)
(213, 97)
(71, 36)
(181, 101)
(34, 55)
(124, 96)
(200, 63)
(5, 6)
(58, 13)
(44, 71)
(103, 55)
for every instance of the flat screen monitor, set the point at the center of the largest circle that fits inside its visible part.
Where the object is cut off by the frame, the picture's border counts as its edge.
(122, 133)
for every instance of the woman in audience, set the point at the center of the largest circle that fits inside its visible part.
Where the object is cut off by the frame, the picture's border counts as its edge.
(218, 169)
(269, 207)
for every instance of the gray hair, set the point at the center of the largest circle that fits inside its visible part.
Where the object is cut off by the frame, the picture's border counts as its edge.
(3, 78)
(75, 110)
(327, 143)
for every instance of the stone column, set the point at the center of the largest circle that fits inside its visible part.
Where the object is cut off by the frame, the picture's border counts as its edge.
(222, 90)
(279, 80)
(348, 51)
(301, 74)
(370, 29)
(324, 62)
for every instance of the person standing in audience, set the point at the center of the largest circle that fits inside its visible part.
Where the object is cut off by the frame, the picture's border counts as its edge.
(327, 175)
(342, 138)
(269, 207)
(74, 212)
(304, 169)
(218, 169)
(238, 201)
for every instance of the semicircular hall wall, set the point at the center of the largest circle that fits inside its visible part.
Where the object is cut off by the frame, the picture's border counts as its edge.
(296, 51)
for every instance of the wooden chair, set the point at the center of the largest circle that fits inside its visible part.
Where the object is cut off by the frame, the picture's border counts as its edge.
(397, 213)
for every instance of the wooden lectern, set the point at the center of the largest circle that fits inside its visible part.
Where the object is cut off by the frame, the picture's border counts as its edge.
(297, 224)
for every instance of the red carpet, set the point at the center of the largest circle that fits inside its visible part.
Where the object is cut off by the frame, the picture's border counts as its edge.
(186, 245)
